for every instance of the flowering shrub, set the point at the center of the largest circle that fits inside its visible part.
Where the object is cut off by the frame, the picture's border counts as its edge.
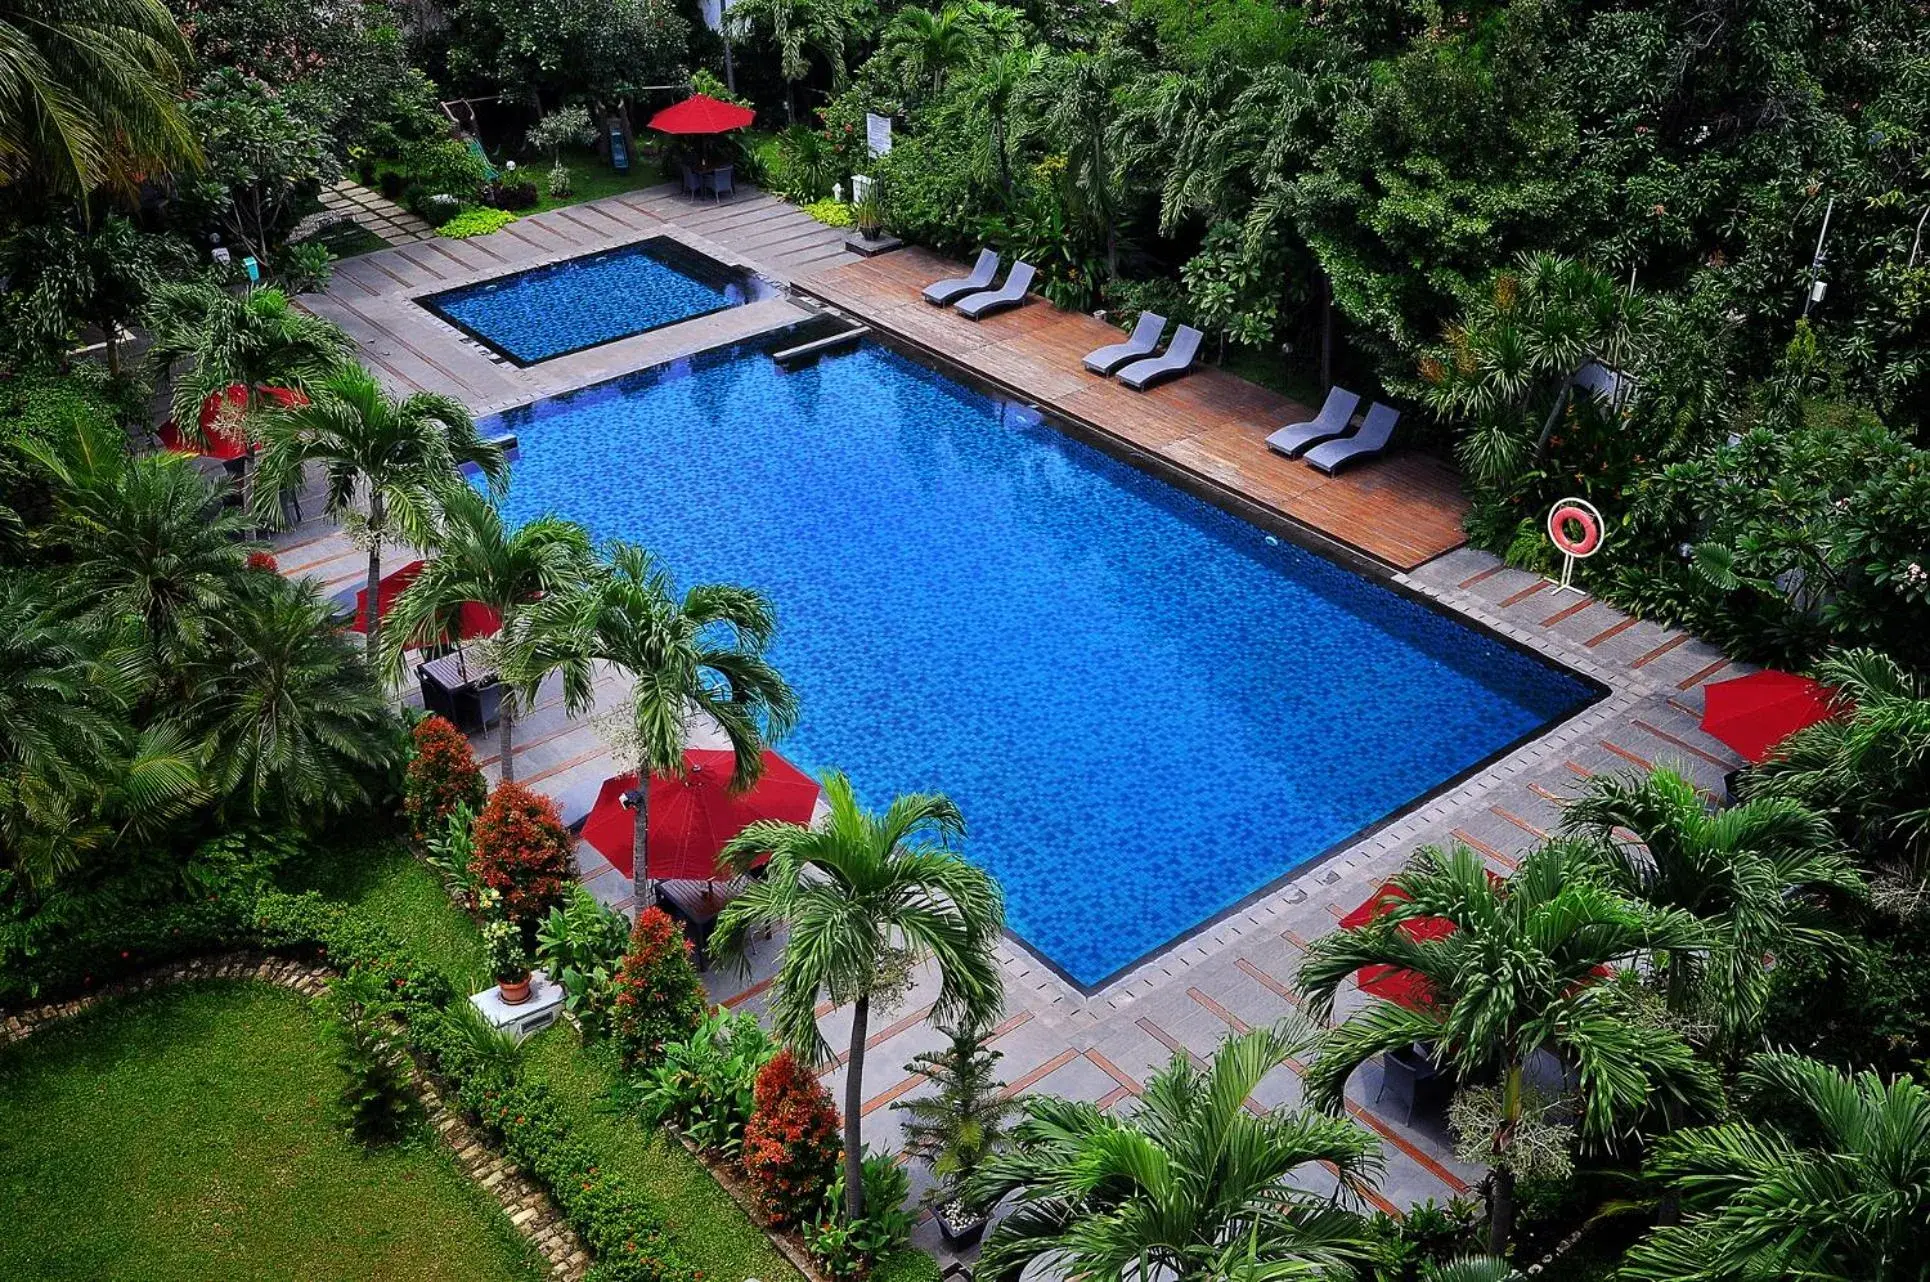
(263, 561)
(791, 1146)
(522, 853)
(655, 996)
(442, 775)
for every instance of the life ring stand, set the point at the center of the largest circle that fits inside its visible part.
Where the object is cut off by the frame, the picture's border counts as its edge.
(1578, 512)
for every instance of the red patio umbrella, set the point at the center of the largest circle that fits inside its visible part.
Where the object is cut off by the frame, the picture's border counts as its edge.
(691, 818)
(473, 620)
(224, 442)
(1753, 714)
(699, 114)
(1402, 987)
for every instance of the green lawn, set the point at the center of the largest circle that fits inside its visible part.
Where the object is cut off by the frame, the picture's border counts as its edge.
(191, 1133)
(592, 176)
(405, 895)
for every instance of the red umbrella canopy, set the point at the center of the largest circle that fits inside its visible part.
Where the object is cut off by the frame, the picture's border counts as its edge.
(224, 441)
(690, 818)
(1403, 987)
(1753, 714)
(473, 620)
(699, 114)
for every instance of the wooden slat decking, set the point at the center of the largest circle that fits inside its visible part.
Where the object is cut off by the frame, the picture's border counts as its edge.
(1401, 510)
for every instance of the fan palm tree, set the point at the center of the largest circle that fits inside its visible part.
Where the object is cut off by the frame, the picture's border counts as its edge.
(1868, 769)
(867, 897)
(1520, 972)
(397, 455)
(475, 559)
(91, 92)
(293, 717)
(701, 655)
(1192, 1186)
(1750, 874)
(1843, 1193)
(799, 29)
(930, 45)
(250, 340)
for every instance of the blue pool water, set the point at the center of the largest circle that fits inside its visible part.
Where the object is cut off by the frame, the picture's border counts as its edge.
(1146, 708)
(549, 311)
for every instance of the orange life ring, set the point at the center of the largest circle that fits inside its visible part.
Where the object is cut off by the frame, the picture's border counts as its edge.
(1591, 537)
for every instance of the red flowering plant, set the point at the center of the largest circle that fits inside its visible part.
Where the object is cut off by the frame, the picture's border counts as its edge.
(655, 996)
(791, 1146)
(259, 560)
(442, 775)
(522, 854)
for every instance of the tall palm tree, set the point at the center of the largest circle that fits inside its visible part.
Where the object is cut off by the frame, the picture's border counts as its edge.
(993, 88)
(90, 92)
(867, 897)
(1079, 116)
(253, 340)
(701, 655)
(294, 720)
(475, 559)
(396, 455)
(930, 45)
(1868, 768)
(1750, 874)
(798, 28)
(1841, 1193)
(1521, 972)
(1192, 1186)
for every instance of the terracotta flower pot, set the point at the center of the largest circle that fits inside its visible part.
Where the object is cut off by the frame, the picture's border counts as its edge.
(513, 992)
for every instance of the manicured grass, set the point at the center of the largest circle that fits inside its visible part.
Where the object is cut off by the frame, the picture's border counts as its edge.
(384, 880)
(592, 177)
(345, 238)
(191, 1133)
(712, 1231)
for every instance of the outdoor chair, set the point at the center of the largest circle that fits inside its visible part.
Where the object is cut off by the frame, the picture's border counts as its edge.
(1174, 361)
(1376, 430)
(1010, 294)
(943, 293)
(691, 182)
(1295, 439)
(1414, 1077)
(721, 182)
(1144, 342)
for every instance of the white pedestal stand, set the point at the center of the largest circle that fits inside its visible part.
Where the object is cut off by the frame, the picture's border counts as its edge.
(544, 1007)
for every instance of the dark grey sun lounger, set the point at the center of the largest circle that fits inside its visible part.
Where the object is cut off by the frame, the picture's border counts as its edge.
(1010, 294)
(943, 292)
(1174, 361)
(1144, 342)
(1294, 439)
(1376, 430)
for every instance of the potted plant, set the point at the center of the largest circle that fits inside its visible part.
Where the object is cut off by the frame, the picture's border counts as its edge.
(870, 210)
(508, 960)
(957, 1126)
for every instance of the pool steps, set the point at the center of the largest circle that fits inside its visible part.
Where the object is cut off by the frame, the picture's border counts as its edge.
(790, 356)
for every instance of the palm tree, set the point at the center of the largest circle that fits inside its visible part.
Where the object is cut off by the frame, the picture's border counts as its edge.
(1843, 1192)
(92, 92)
(1080, 115)
(250, 340)
(967, 1116)
(476, 560)
(1868, 768)
(799, 28)
(993, 88)
(698, 656)
(293, 717)
(1192, 1186)
(398, 455)
(867, 897)
(932, 45)
(1750, 874)
(1520, 972)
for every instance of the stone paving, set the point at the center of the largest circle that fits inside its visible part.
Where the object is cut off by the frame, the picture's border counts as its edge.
(376, 212)
(1235, 973)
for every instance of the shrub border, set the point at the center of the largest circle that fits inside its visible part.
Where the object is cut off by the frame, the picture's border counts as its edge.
(529, 1209)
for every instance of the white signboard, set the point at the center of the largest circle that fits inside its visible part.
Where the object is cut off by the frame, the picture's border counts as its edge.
(877, 134)
(713, 13)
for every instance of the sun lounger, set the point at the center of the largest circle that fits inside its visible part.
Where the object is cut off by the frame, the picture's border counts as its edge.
(1144, 342)
(1376, 430)
(1295, 439)
(1010, 294)
(1174, 361)
(943, 292)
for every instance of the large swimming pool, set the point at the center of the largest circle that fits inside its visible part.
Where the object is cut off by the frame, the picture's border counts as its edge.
(1147, 708)
(546, 312)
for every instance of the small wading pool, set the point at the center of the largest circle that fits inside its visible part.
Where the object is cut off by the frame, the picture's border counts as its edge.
(546, 312)
(1147, 708)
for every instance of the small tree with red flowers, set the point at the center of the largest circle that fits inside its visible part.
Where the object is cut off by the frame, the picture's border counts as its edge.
(791, 1146)
(523, 854)
(442, 775)
(655, 996)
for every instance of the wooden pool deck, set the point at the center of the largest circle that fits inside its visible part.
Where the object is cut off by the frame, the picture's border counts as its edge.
(1401, 510)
